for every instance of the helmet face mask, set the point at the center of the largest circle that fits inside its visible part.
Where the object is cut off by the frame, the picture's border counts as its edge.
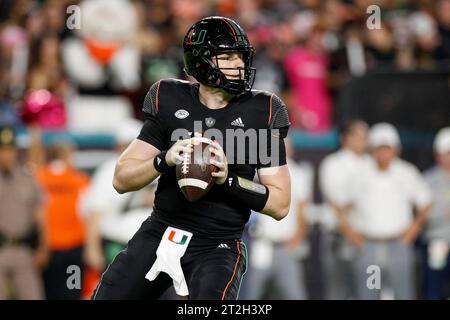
(209, 38)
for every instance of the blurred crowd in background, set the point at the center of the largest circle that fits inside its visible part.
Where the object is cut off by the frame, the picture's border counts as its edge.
(72, 84)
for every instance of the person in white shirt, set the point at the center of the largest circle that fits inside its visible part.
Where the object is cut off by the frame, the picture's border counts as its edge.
(383, 196)
(437, 230)
(278, 246)
(108, 227)
(335, 170)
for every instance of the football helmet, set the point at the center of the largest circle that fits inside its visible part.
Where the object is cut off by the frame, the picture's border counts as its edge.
(210, 37)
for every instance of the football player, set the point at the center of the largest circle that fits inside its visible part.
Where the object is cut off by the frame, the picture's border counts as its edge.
(202, 237)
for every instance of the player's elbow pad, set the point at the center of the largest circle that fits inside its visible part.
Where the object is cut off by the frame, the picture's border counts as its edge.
(249, 193)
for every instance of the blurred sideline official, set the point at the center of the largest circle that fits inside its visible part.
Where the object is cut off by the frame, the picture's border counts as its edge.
(437, 230)
(64, 229)
(383, 195)
(338, 236)
(278, 246)
(20, 226)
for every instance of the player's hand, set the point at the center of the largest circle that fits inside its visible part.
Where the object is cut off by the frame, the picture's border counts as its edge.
(219, 159)
(174, 154)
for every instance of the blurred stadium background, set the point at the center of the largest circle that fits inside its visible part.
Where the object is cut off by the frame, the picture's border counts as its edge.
(67, 87)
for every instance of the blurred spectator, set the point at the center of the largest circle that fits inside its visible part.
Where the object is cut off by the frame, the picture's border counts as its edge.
(14, 55)
(427, 39)
(158, 14)
(22, 252)
(270, 75)
(383, 195)
(9, 117)
(277, 246)
(64, 229)
(45, 70)
(335, 171)
(104, 209)
(146, 36)
(306, 68)
(43, 103)
(103, 58)
(36, 23)
(185, 13)
(437, 230)
(443, 19)
(350, 57)
(380, 47)
(103, 61)
(54, 16)
(248, 12)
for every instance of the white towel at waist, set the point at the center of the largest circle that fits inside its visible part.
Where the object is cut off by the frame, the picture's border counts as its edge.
(171, 249)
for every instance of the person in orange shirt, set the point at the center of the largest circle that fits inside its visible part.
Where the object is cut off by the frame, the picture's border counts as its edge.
(64, 230)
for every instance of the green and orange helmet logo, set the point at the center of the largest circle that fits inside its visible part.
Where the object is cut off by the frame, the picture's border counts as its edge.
(199, 39)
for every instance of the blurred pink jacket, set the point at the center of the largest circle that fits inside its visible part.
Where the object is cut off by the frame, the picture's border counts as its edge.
(307, 73)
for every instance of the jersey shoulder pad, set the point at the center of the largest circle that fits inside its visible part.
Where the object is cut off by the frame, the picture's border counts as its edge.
(151, 101)
(261, 100)
(278, 113)
(154, 94)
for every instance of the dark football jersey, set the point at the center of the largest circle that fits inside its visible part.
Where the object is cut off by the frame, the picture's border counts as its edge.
(173, 110)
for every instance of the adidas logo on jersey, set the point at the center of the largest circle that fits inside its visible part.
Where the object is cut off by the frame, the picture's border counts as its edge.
(223, 246)
(238, 122)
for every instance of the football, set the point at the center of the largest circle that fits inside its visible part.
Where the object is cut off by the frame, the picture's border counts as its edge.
(194, 173)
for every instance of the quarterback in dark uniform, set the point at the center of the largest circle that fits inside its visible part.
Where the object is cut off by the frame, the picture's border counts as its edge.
(218, 55)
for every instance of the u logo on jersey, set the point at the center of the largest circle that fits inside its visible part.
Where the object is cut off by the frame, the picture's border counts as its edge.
(172, 236)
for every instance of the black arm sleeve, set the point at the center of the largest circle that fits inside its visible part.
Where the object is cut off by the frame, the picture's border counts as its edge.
(153, 130)
(278, 129)
(252, 194)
